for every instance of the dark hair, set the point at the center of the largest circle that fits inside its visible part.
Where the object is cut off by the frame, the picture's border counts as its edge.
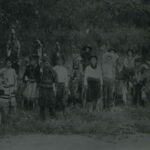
(130, 50)
(34, 57)
(87, 47)
(110, 50)
(94, 56)
(7, 60)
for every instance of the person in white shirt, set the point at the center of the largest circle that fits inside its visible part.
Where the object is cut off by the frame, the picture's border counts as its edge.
(109, 75)
(93, 82)
(61, 85)
(9, 85)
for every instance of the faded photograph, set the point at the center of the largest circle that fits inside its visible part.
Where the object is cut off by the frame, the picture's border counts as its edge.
(74, 75)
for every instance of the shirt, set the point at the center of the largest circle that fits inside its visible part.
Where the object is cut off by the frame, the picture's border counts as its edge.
(109, 71)
(62, 74)
(95, 73)
(10, 77)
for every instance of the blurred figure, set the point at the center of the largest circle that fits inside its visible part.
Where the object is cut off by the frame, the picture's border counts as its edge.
(61, 85)
(109, 72)
(139, 82)
(93, 83)
(120, 88)
(76, 80)
(38, 50)
(129, 65)
(31, 78)
(57, 53)
(86, 54)
(47, 90)
(9, 87)
(13, 49)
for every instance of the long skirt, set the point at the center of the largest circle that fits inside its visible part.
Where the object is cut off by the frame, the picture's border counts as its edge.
(93, 91)
(31, 91)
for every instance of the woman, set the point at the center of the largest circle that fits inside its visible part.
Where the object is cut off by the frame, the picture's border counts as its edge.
(31, 78)
(93, 82)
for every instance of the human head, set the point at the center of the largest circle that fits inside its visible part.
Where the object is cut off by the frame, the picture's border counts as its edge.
(93, 61)
(130, 52)
(8, 63)
(34, 60)
(87, 49)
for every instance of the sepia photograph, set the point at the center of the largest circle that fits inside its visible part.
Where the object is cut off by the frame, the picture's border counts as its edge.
(74, 75)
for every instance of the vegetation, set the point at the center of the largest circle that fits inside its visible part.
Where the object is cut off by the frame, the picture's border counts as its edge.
(100, 23)
(118, 122)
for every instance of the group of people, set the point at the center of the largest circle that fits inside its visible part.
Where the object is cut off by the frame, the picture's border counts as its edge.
(93, 82)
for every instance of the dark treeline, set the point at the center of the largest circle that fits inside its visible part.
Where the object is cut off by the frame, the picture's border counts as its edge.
(74, 23)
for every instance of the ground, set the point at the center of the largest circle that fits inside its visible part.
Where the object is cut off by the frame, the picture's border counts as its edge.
(73, 142)
(121, 128)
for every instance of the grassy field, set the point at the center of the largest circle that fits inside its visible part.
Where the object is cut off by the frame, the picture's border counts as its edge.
(119, 121)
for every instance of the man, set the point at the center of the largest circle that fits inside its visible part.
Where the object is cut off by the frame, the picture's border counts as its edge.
(38, 49)
(86, 54)
(93, 82)
(76, 80)
(13, 50)
(47, 89)
(9, 85)
(109, 79)
(62, 85)
(57, 53)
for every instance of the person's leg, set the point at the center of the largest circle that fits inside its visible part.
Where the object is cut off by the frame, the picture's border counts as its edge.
(42, 112)
(136, 95)
(52, 104)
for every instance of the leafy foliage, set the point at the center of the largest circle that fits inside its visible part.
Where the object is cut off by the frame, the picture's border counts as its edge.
(100, 23)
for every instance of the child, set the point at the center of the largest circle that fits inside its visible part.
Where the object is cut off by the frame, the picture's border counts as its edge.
(31, 78)
(93, 83)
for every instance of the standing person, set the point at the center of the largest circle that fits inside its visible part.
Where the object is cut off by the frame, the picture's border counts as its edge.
(62, 85)
(38, 49)
(57, 53)
(129, 64)
(120, 88)
(9, 86)
(139, 82)
(86, 54)
(47, 89)
(109, 71)
(93, 82)
(76, 81)
(31, 78)
(13, 50)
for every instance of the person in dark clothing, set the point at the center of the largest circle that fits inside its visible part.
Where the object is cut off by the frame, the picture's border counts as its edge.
(139, 84)
(31, 78)
(86, 54)
(13, 50)
(47, 90)
(76, 81)
(57, 54)
(38, 50)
